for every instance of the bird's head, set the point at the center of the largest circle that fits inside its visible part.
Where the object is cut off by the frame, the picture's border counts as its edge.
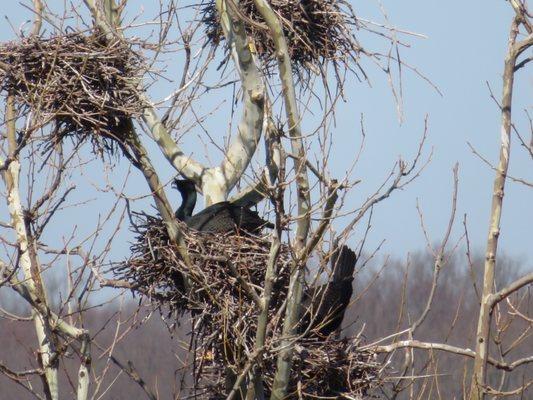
(184, 185)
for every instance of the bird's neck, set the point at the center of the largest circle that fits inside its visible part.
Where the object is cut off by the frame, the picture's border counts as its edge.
(187, 206)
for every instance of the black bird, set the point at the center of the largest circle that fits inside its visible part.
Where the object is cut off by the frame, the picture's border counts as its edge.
(219, 217)
(324, 306)
(188, 196)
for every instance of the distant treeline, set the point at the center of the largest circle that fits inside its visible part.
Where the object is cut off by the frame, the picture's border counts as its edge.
(146, 344)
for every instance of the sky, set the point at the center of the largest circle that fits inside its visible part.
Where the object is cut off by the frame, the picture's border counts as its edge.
(464, 50)
(462, 53)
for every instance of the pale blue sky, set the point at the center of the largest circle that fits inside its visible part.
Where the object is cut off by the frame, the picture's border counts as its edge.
(464, 49)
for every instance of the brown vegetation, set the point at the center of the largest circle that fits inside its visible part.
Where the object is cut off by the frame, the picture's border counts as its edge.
(316, 31)
(160, 355)
(78, 81)
(225, 283)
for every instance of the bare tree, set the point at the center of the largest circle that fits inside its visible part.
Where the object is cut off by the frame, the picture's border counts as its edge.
(489, 297)
(94, 90)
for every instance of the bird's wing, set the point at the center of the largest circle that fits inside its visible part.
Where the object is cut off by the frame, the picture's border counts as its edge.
(207, 219)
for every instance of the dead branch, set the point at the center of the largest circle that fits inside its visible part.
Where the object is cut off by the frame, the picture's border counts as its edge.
(515, 48)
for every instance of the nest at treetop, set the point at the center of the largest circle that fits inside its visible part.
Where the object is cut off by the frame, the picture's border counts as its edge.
(80, 81)
(316, 30)
(226, 273)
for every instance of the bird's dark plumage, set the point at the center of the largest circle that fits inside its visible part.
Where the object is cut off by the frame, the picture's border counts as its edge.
(219, 217)
(324, 306)
(188, 195)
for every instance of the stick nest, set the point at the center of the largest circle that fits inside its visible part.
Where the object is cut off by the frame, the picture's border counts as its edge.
(315, 30)
(226, 277)
(81, 81)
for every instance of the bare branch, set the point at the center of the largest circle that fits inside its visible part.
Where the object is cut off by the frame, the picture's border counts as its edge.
(183, 164)
(281, 379)
(478, 382)
(439, 257)
(241, 150)
(416, 344)
(510, 289)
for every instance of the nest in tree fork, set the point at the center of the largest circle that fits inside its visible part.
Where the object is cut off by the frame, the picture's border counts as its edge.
(316, 30)
(80, 81)
(224, 269)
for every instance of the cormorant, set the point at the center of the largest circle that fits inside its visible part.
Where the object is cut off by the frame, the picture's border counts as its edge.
(324, 306)
(219, 217)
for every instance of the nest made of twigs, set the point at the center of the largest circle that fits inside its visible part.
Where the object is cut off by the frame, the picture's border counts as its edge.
(81, 81)
(225, 269)
(316, 31)
(333, 368)
(218, 261)
(325, 369)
